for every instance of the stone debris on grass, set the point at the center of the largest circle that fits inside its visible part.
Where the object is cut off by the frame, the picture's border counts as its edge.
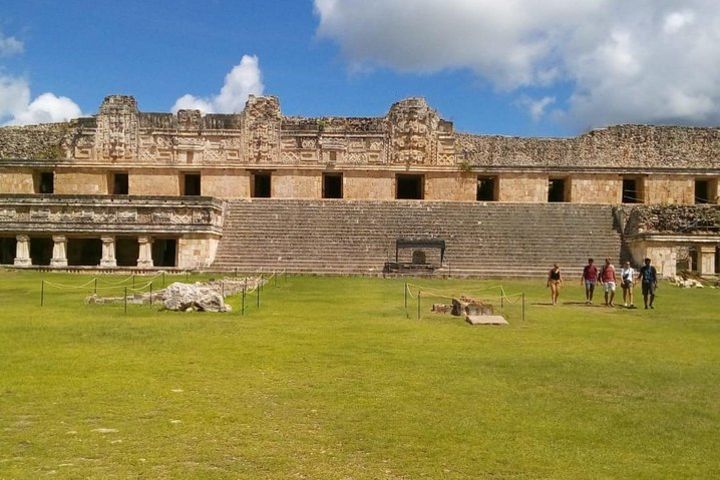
(687, 283)
(177, 390)
(105, 430)
(184, 297)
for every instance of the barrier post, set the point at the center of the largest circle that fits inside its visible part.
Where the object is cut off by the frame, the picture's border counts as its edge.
(125, 300)
(418, 304)
(151, 294)
(243, 298)
(95, 289)
(406, 287)
(259, 287)
(523, 307)
(133, 281)
(42, 292)
(502, 300)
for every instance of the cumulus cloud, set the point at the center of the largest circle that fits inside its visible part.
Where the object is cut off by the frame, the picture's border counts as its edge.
(18, 108)
(536, 108)
(244, 79)
(653, 61)
(10, 46)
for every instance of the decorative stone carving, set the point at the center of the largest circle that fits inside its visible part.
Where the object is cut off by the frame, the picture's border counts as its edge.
(261, 129)
(108, 252)
(413, 132)
(22, 251)
(59, 255)
(116, 136)
(189, 119)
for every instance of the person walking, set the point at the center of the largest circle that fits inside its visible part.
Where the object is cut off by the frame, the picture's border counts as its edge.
(648, 276)
(608, 278)
(589, 279)
(627, 275)
(554, 281)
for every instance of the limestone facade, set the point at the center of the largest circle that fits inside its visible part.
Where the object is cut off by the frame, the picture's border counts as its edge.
(125, 184)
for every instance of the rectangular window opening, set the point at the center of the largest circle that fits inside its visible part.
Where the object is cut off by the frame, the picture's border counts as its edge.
(556, 190)
(631, 191)
(8, 247)
(332, 185)
(41, 250)
(702, 191)
(164, 252)
(127, 251)
(84, 252)
(410, 187)
(486, 189)
(120, 184)
(262, 185)
(45, 182)
(191, 184)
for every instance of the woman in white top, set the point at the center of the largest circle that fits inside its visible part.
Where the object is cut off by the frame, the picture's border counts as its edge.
(627, 274)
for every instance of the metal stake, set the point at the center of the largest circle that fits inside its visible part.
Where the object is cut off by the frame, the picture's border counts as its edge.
(42, 292)
(406, 288)
(95, 292)
(418, 303)
(523, 307)
(243, 298)
(125, 300)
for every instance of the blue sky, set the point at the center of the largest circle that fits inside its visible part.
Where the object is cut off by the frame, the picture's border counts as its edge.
(490, 70)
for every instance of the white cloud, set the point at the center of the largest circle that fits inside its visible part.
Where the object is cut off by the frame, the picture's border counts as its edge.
(17, 108)
(640, 61)
(536, 108)
(244, 79)
(10, 46)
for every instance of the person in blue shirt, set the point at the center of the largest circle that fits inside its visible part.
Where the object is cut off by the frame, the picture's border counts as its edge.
(648, 278)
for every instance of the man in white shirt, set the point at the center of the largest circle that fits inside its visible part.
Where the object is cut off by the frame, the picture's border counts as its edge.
(628, 275)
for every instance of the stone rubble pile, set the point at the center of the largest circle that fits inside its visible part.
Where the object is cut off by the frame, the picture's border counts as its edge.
(183, 297)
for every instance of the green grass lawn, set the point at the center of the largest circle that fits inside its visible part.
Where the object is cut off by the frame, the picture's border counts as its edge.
(331, 378)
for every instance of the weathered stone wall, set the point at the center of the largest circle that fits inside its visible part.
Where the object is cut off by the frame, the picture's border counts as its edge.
(606, 189)
(75, 182)
(196, 251)
(664, 189)
(296, 184)
(527, 188)
(685, 219)
(154, 182)
(35, 142)
(369, 185)
(459, 187)
(225, 183)
(17, 181)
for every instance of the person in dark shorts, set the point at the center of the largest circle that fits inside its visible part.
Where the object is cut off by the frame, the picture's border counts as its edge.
(589, 279)
(648, 278)
(554, 281)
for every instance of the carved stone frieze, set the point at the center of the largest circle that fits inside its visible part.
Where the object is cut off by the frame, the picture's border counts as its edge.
(413, 129)
(261, 129)
(116, 135)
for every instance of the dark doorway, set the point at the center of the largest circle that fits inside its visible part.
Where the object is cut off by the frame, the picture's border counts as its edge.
(8, 246)
(262, 185)
(127, 251)
(702, 191)
(45, 182)
(410, 187)
(84, 252)
(164, 252)
(191, 184)
(631, 191)
(556, 190)
(332, 185)
(120, 184)
(694, 258)
(486, 191)
(41, 249)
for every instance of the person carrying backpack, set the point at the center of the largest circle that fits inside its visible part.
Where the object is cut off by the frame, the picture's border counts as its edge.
(648, 277)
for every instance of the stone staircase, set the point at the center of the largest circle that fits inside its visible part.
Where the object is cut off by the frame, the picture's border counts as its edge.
(358, 237)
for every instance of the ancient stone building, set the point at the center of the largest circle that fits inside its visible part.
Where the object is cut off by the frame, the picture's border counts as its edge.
(257, 189)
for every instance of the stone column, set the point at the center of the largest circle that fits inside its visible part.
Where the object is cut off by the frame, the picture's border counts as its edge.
(22, 251)
(145, 256)
(108, 252)
(706, 260)
(59, 258)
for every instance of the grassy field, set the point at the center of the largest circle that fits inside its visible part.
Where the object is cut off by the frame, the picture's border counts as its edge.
(331, 378)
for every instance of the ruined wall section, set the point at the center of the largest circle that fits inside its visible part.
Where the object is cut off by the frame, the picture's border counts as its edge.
(34, 141)
(620, 147)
